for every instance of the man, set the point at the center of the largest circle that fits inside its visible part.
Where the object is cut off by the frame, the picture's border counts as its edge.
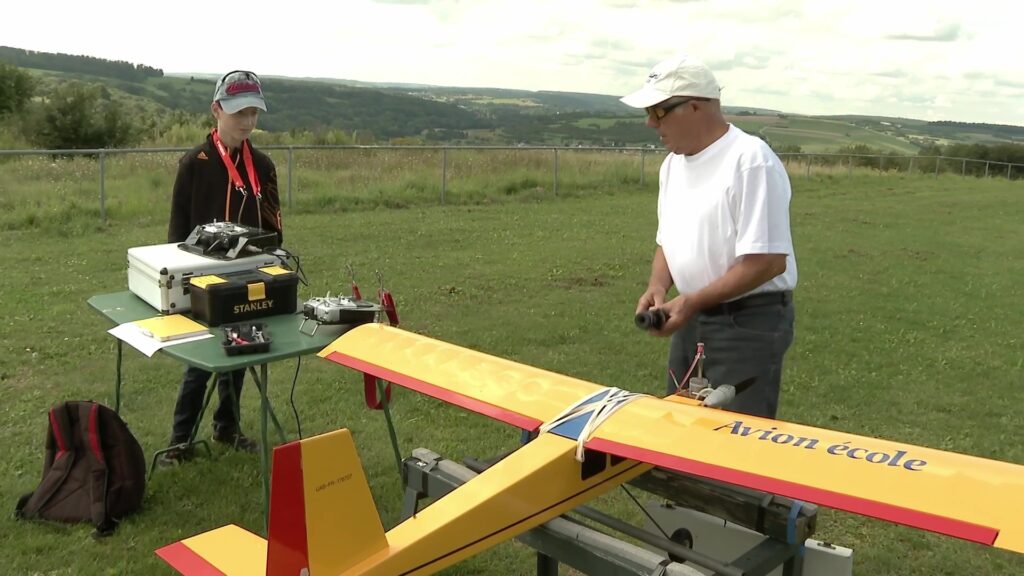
(723, 240)
(222, 179)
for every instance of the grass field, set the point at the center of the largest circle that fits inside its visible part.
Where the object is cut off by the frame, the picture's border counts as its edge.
(39, 192)
(597, 123)
(908, 316)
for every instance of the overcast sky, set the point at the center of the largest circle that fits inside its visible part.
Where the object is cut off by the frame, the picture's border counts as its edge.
(931, 60)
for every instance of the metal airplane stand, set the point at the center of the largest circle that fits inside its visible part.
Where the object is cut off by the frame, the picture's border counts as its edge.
(428, 475)
(786, 523)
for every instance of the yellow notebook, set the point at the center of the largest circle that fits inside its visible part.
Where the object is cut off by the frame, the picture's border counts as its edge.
(170, 327)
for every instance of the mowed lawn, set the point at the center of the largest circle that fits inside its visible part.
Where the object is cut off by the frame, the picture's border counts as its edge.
(908, 328)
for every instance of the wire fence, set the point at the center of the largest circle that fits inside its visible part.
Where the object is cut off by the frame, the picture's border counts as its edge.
(647, 161)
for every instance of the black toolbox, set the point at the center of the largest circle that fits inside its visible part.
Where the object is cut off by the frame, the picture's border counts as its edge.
(231, 297)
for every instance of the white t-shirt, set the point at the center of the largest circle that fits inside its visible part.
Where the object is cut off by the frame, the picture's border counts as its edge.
(730, 199)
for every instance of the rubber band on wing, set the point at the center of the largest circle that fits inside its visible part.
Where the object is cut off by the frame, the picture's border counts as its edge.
(601, 404)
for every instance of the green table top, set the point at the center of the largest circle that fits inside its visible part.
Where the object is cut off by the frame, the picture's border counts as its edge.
(286, 340)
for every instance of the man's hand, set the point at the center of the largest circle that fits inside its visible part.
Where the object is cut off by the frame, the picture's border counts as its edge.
(679, 311)
(653, 298)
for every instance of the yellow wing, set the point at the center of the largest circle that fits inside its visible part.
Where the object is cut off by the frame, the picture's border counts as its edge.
(954, 494)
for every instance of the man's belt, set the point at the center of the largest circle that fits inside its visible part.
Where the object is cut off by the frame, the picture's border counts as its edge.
(752, 301)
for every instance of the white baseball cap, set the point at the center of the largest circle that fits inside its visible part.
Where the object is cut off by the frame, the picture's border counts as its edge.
(681, 75)
(239, 89)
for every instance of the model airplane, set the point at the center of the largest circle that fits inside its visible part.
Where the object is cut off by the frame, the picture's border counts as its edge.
(590, 439)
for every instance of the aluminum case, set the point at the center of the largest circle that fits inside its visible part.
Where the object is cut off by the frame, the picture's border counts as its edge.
(160, 273)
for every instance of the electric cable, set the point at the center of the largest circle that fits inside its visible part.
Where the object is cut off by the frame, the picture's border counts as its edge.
(291, 397)
(285, 258)
(241, 207)
(259, 213)
(686, 378)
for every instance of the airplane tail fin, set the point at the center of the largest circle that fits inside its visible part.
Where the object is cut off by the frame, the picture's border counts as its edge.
(322, 516)
(322, 519)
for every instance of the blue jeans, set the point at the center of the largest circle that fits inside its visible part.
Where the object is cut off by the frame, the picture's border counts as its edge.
(190, 403)
(748, 343)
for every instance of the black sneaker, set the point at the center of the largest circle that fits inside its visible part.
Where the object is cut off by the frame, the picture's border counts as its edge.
(175, 455)
(237, 440)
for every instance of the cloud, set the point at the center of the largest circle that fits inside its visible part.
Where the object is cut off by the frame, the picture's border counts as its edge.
(632, 5)
(893, 73)
(1007, 83)
(754, 60)
(950, 32)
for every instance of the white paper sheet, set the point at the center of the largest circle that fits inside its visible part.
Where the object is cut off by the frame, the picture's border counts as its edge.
(136, 338)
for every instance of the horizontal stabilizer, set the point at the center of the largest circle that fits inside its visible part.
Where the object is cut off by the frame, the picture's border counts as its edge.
(226, 551)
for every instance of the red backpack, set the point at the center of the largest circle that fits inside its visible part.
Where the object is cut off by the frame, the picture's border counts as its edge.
(93, 471)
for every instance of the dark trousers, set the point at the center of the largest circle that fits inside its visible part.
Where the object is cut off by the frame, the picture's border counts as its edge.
(738, 345)
(190, 403)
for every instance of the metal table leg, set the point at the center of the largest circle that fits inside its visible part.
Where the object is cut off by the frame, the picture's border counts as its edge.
(192, 435)
(261, 384)
(270, 409)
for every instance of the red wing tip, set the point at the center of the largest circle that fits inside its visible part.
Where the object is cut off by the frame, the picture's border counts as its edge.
(186, 561)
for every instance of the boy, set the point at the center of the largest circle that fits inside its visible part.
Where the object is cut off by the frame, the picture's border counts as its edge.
(222, 179)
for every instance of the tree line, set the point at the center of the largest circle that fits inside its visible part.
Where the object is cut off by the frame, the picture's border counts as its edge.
(78, 64)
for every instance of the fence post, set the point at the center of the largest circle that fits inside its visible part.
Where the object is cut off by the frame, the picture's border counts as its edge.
(808, 166)
(910, 169)
(103, 187)
(643, 156)
(849, 167)
(444, 172)
(986, 169)
(881, 163)
(963, 169)
(1008, 166)
(291, 168)
(937, 166)
(555, 185)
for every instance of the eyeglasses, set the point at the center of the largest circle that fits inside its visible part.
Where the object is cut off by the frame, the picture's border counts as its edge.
(239, 82)
(660, 112)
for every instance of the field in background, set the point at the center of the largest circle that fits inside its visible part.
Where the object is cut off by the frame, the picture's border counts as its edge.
(819, 135)
(39, 191)
(907, 326)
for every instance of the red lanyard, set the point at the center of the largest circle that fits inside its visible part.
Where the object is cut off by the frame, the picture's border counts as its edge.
(236, 178)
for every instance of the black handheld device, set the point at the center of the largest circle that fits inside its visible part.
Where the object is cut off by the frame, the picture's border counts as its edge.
(651, 319)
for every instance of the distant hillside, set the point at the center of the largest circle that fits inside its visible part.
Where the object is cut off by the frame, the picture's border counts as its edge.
(525, 101)
(382, 112)
(817, 134)
(78, 64)
(295, 104)
(940, 132)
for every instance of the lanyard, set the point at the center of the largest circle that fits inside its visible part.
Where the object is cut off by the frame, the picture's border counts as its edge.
(236, 178)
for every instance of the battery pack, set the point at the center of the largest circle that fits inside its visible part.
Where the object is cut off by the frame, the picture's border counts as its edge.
(232, 297)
